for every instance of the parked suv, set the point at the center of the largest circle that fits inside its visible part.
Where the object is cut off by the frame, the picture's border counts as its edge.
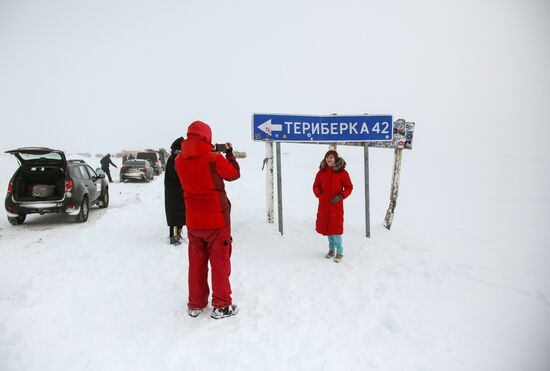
(46, 182)
(153, 158)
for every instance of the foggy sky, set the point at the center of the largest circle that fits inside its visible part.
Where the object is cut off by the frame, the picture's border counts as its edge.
(107, 75)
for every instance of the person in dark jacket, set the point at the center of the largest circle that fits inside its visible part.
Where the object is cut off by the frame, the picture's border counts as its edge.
(332, 185)
(202, 173)
(105, 162)
(174, 202)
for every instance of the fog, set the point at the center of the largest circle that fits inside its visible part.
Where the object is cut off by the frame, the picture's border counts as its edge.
(105, 76)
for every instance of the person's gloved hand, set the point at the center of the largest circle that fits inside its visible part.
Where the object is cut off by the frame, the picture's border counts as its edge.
(336, 198)
(229, 148)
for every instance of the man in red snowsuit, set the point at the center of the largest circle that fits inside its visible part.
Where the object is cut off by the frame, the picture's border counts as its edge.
(202, 172)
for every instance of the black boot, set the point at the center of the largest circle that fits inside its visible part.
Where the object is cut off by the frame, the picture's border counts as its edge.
(174, 236)
(174, 241)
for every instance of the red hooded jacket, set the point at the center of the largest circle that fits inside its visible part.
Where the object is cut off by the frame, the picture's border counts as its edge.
(329, 182)
(202, 172)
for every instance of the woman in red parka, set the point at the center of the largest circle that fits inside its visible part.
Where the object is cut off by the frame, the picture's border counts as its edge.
(332, 185)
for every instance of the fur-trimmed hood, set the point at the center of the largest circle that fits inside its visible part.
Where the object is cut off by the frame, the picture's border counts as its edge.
(338, 165)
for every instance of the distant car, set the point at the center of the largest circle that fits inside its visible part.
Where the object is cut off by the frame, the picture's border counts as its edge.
(137, 170)
(46, 182)
(153, 158)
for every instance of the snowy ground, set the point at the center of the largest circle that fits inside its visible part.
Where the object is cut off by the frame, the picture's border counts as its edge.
(438, 292)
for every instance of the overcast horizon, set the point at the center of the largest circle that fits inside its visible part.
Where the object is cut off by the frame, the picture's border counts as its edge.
(134, 74)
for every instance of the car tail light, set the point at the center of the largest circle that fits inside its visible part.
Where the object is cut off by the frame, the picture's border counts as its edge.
(68, 185)
(146, 168)
(123, 168)
(10, 188)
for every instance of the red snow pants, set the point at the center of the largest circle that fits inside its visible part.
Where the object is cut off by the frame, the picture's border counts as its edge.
(212, 245)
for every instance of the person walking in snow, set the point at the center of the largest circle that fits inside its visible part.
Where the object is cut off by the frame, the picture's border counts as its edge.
(174, 202)
(332, 185)
(202, 172)
(105, 161)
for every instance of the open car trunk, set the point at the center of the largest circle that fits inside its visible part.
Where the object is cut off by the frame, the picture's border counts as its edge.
(39, 183)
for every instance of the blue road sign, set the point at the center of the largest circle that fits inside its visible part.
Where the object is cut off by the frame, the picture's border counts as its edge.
(291, 128)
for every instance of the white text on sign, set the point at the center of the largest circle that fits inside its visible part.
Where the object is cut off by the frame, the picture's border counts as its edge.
(335, 128)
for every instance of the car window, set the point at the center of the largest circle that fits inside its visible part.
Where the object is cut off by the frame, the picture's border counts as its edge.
(79, 172)
(73, 172)
(151, 156)
(135, 162)
(83, 171)
(35, 156)
(91, 172)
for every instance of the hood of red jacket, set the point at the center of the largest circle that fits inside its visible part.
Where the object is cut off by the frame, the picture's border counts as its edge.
(199, 139)
(200, 130)
(338, 165)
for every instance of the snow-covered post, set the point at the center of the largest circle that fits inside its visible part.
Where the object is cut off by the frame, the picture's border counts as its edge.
(367, 186)
(269, 184)
(394, 188)
(279, 189)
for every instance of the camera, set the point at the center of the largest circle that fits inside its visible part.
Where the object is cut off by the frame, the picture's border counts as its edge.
(220, 147)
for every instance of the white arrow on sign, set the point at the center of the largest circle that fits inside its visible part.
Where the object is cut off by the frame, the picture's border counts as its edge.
(267, 127)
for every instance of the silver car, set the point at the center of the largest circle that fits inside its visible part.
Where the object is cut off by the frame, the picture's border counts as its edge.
(137, 170)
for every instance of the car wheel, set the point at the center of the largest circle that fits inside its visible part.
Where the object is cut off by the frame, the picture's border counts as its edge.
(104, 200)
(84, 211)
(17, 220)
(122, 180)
